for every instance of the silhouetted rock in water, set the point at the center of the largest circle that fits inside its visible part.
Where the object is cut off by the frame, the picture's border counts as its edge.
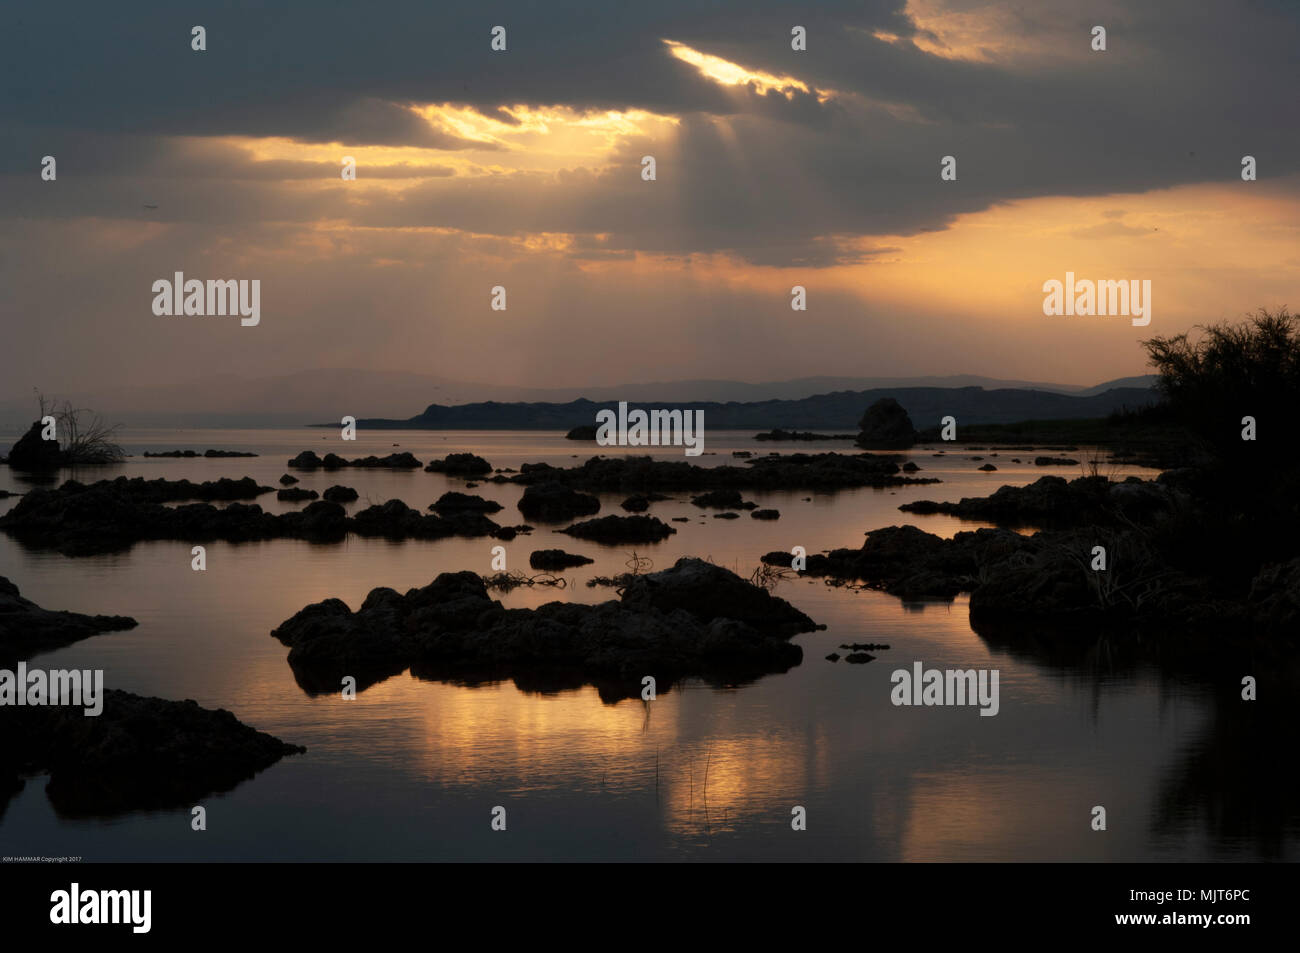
(744, 454)
(792, 471)
(641, 501)
(681, 519)
(779, 434)
(453, 502)
(695, 619)
(554, 502)
(112, 514)
(886, 426)
(1053, 578)
(833, 657)
(859, 658)
(556, 559)
(621, 529)
(1051, 501)
(137, 754)
(722, 500)
(988, 468)
(295, 494)
(288, 480)
(585, 432)
(1055, 462)
(910, 562)
(396, 520)
(340, 494)
(26, 629)
(209, 454)
(910, 467)
(460, 464)
(308, 460)
(34, 454)
(726, 516)
(766, 514)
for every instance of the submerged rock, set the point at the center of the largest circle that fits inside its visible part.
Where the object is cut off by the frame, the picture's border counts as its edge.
(340, 494)
(693, 619)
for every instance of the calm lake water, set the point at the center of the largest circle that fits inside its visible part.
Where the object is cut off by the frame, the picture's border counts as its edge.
(411, 769)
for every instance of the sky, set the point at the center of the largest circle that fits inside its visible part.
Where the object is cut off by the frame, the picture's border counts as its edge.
(523, 168)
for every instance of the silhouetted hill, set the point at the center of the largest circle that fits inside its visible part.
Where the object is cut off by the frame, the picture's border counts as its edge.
(840, 410)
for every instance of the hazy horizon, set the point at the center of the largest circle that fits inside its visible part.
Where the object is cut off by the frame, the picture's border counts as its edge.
(522, 169)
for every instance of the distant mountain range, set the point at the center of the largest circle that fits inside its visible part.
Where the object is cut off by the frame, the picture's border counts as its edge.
(231, 400)
(839, 411)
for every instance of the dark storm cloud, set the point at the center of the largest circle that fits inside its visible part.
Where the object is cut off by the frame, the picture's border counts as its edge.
(1182, 93)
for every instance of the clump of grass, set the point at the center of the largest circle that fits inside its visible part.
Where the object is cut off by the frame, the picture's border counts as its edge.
(636, 566)
(508, 581)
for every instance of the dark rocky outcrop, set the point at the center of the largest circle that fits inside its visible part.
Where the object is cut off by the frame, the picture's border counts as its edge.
(554, 502)
(396, 520)
(295, 494)
(209, 454)
(340, 494)
(585, 432)
(792, 471)
(722, 500)
(886, 426)
(766, 514)
(453, 502)
(695, 619)
(308, 460)
(137, 754)
(113, 514)
(33, 454)
(640, 502)
(1055, 462)
(621, 529)
(1051, 501)
(460, 464)
(26, 629)
(554, 560)
(288, 480)
(779, 434)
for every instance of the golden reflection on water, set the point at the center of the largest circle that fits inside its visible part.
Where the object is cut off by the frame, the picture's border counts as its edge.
(702, 766)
